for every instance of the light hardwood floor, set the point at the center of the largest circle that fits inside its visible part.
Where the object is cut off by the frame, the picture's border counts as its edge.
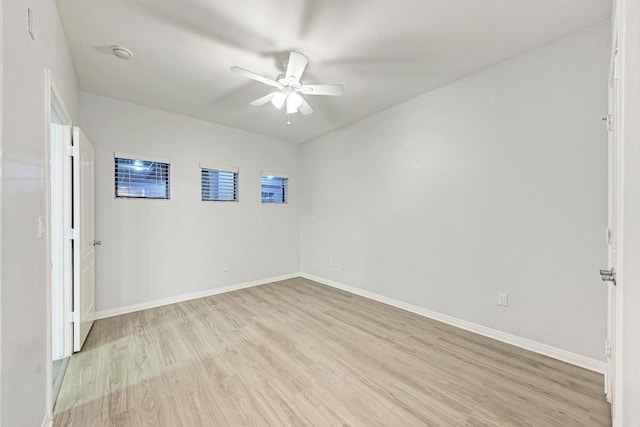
(297, 353)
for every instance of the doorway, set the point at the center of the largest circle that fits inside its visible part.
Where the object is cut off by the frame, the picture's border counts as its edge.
(59, 220)
(70, 231)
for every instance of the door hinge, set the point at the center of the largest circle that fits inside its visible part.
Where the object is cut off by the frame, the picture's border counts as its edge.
(71, 150)
(607, 349)
(71, 234)
(74, 317)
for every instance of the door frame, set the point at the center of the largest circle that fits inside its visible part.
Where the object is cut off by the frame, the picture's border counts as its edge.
(626, 19)
(1, 177)
(53, 98)
(614, 209)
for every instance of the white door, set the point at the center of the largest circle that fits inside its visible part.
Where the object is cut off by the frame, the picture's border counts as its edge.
(612, 231)
(84, 257)
(60, 138)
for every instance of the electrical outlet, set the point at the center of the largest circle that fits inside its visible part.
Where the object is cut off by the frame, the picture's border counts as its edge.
(330, 262)
(503, 299)
(225, 267)
(343, 267)
(607, 349)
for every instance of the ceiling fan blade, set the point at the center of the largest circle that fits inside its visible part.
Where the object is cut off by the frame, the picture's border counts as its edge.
(305, 108)
(265, 99)
(255, 76)
(296, 65)
(333, 90)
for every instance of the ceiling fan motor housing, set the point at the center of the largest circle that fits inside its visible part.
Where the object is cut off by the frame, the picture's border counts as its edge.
(290, 82)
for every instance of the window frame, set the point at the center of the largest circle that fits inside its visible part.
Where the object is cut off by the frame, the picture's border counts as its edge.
(285, 190)
(218, 168)
(143, 158)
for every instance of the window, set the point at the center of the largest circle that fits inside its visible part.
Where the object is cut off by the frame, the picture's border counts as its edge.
(141, 179)
(220, 184)
(275, 189)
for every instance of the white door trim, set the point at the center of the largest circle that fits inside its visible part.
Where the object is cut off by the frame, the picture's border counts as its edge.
(618, 43)
(613, 199)
(627, 355)
(1, 145)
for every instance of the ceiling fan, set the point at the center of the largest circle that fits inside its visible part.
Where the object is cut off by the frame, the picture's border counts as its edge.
(290, 88)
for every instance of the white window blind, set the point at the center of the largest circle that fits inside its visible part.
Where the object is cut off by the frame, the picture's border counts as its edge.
(274, 189)
(219, 184)
(141, 179)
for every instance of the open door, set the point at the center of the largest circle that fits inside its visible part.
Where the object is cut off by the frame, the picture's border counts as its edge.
(609, 275)
(84, 257)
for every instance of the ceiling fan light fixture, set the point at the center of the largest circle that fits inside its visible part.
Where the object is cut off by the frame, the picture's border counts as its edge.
(295, 99)
(278, 100)
(292, 104)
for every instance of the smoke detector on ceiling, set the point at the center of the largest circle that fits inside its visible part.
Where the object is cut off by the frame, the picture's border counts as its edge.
(121, 52)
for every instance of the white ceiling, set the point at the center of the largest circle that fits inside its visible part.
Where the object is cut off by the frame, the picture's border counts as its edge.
(384, 52)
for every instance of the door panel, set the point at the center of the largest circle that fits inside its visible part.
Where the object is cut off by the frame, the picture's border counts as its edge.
(84, 271)
(60, 138)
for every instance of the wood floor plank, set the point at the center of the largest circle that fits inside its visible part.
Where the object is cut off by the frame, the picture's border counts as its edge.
(296, 353)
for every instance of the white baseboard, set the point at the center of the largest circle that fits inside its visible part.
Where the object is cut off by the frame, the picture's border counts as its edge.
(48, 421)
(186, 297)
(527, 344)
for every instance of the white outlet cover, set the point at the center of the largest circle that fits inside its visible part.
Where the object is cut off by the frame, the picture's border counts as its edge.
(503, 299)
(41, 227)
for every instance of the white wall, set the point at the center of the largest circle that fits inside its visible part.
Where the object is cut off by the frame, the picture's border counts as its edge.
(24, 309)
(154, 249)
(496, 182)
